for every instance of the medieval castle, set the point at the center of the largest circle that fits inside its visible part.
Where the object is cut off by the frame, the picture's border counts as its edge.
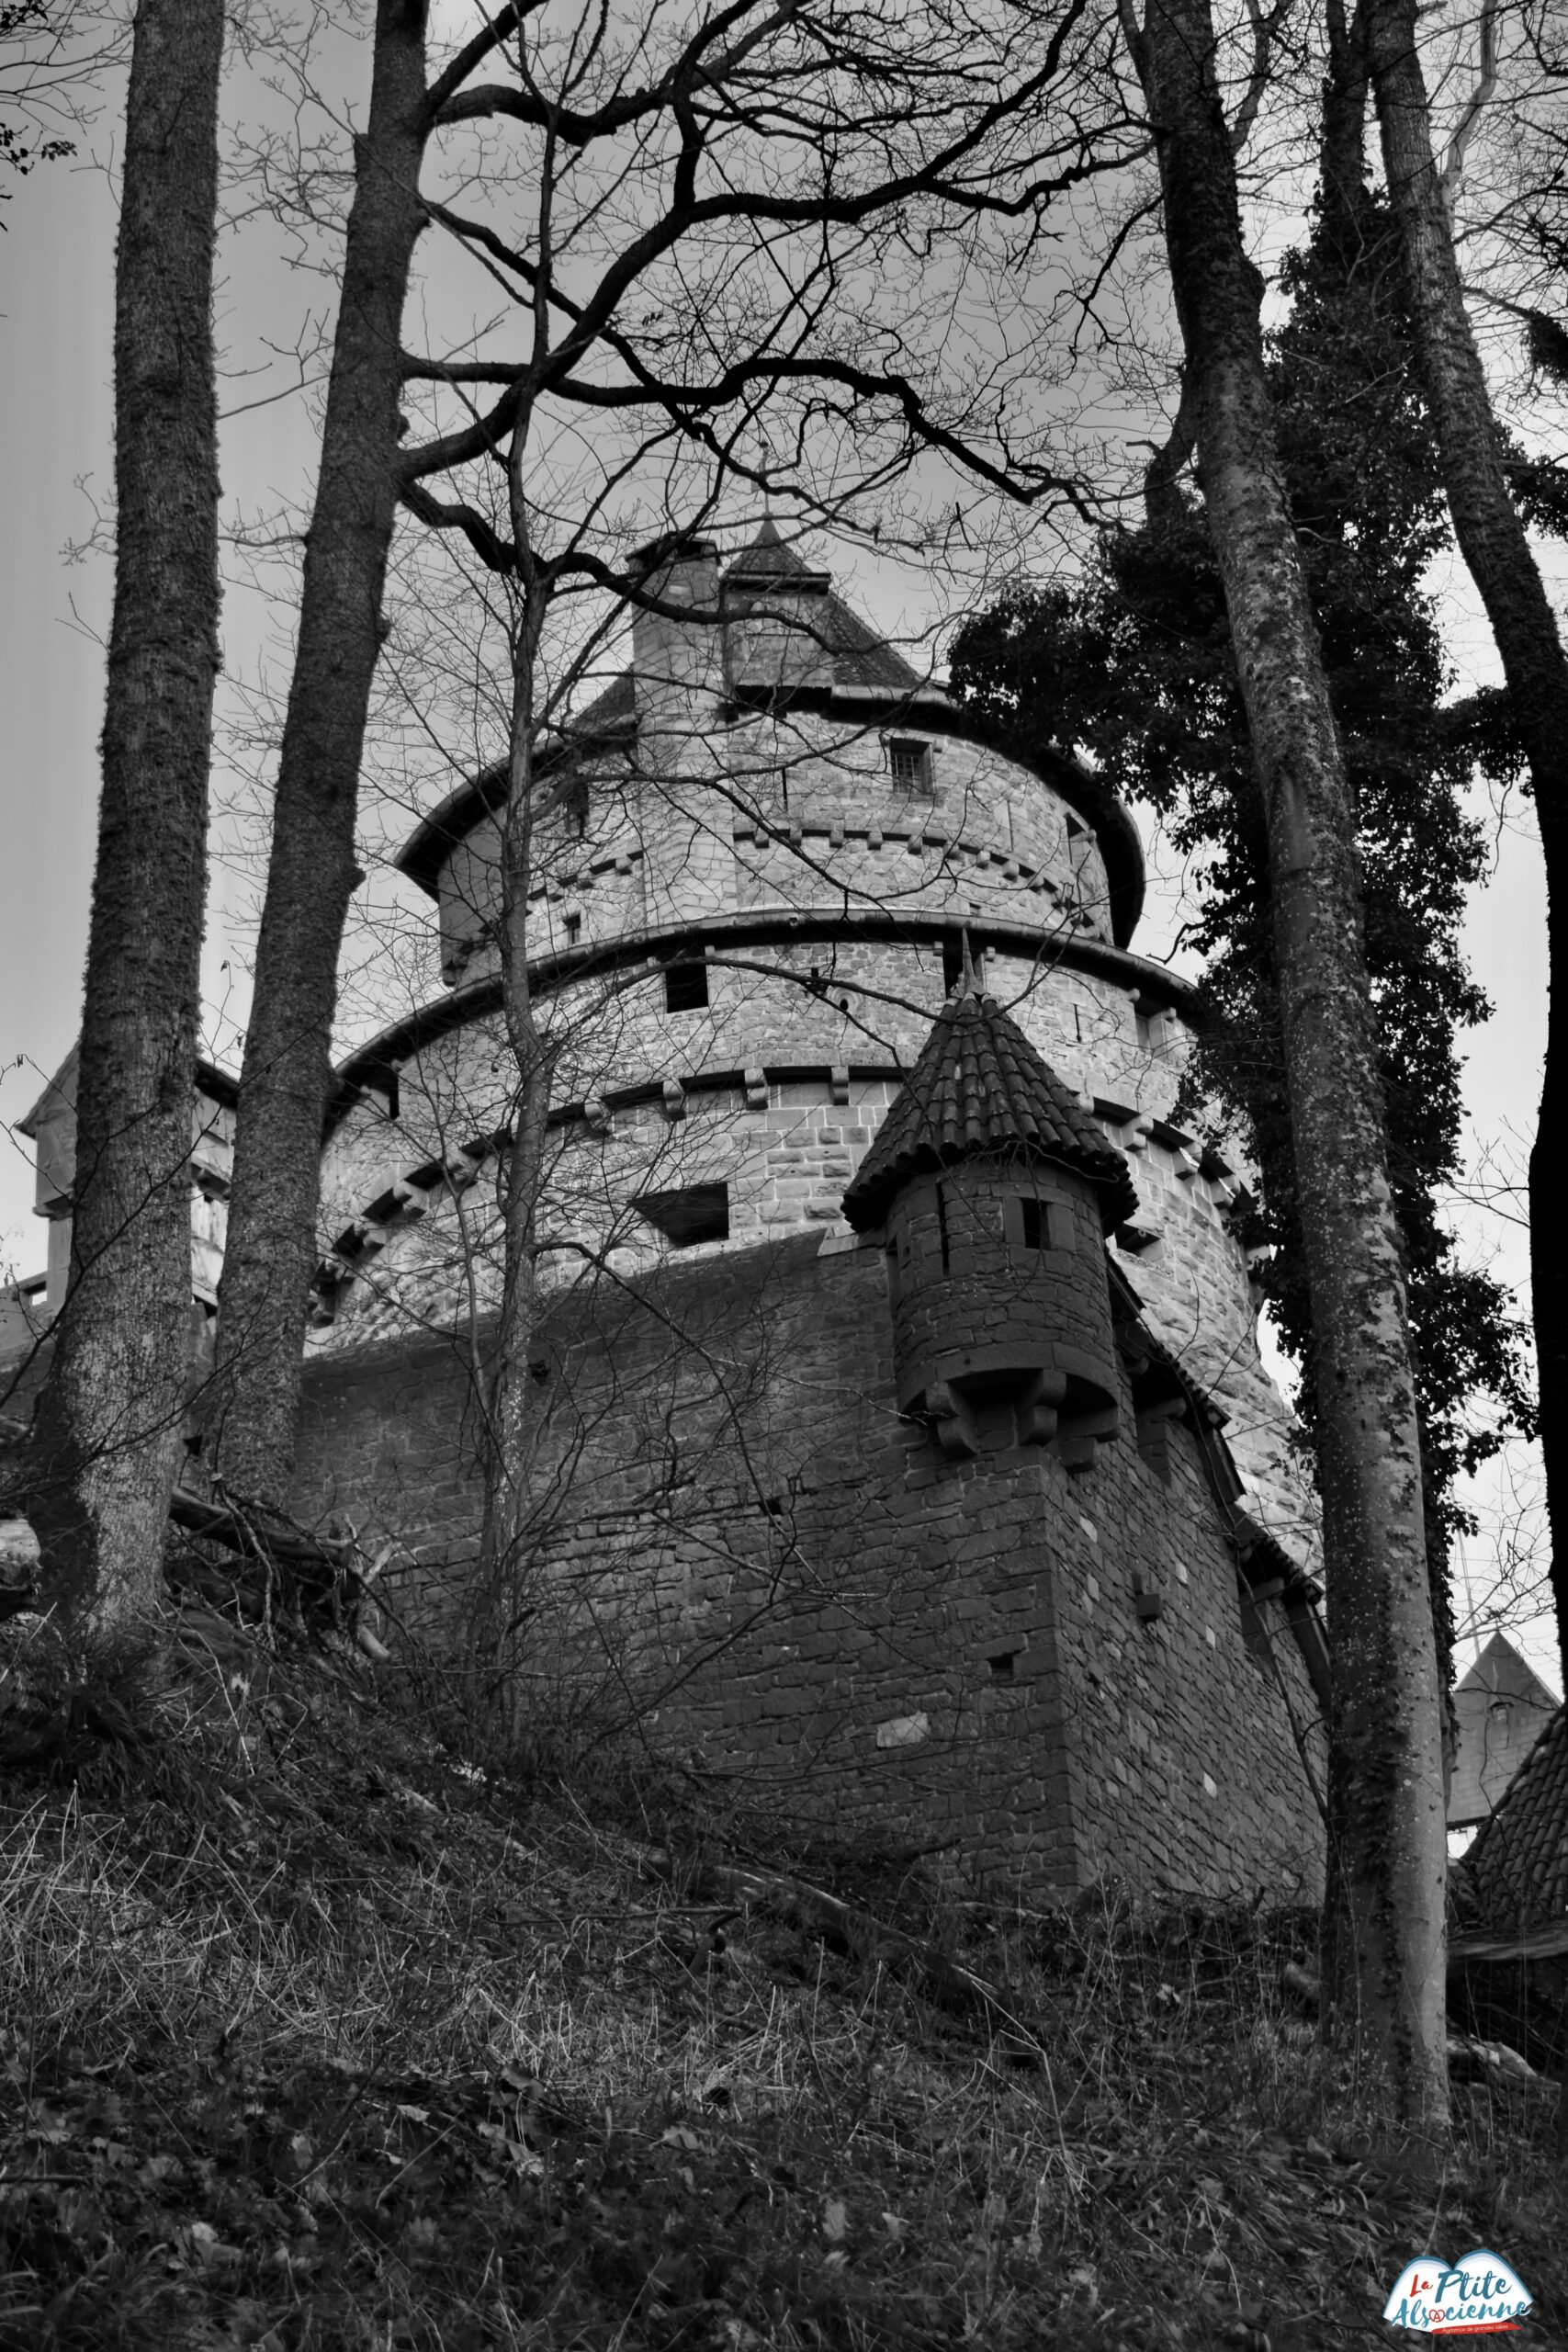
(907, 1464)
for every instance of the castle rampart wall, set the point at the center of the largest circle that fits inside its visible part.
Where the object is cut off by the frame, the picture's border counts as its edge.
(745, 1558)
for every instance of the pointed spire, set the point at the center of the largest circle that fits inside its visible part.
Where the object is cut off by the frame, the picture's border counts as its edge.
(979, 1086)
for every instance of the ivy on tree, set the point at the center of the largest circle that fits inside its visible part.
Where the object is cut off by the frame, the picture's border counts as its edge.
(1133, 665)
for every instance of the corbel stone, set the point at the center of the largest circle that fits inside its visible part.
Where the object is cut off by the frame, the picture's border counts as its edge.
(1039, 1407)
(839, 1083)
(953, 1423)
(756, 1088)
(598, 1113)
(1075, 1444)
(674, 1100)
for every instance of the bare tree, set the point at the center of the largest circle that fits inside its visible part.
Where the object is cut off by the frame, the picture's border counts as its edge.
(1385, 1914)
(713, 198)
(106, 1441)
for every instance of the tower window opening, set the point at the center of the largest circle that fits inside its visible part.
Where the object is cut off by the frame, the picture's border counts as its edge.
(910, 763)
(573, 927)
(941, 1226)
(686, 984)
(1078, 1024)
(698, 1212)
(576, 812)
(1003, 1666)
(1035, 1220)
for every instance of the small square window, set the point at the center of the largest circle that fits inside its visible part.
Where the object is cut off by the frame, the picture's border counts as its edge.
(1030, 1223)
(1036, 1223)
(910, 763)
(686, 985)
(700, 1213)
(1003, 1666)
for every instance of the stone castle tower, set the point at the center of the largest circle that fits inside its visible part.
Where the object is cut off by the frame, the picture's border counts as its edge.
(894, 1324)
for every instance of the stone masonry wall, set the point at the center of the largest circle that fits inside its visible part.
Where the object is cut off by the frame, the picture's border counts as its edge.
(750, 1561)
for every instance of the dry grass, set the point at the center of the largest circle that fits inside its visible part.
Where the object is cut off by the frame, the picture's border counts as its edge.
(313, 2040)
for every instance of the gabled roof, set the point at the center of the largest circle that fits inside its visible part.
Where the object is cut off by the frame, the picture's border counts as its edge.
(979, 1086)
(218, 1084)
(859, 657)
(1501, 1707)
(1515, 1876)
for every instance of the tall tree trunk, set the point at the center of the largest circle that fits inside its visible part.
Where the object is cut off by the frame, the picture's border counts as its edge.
(512, 1393)
(1385, 1916)
(107, 1437)
(286, 1074)
(1492, 542)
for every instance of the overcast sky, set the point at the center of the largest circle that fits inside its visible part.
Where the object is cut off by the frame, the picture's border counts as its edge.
(56, 256)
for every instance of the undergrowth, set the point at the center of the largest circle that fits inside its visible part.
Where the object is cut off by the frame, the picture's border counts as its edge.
(313, 2037)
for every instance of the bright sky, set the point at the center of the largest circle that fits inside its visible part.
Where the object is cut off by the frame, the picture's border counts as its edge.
(56, 256)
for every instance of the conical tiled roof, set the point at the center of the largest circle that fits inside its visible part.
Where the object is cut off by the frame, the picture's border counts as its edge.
(979, 1086)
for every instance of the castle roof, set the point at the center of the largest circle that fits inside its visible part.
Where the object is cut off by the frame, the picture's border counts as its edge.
(858, 656)
(1515, 1876)
(1500, 1708)
(979, 1086)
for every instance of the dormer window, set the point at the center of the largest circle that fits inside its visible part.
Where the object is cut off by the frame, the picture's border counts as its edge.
(910, 763)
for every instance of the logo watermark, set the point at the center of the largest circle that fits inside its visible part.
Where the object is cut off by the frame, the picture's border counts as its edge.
(1482, 2295)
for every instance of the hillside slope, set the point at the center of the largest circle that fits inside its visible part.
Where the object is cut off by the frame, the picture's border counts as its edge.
(313, 2037)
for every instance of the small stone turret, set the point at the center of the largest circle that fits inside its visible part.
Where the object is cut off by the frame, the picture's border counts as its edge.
(996, 1191)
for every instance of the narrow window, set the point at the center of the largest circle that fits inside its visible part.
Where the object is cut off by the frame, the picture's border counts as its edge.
(941, 1223)
(910, 763)
(1077, 844)
(1078, 1024)
(577, 811)
(699, 1213)
(573, 930)
(686, 985)
(1036, 1223)
(892, 1256)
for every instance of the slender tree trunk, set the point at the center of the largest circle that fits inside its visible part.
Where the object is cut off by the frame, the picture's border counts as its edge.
(513, 1397)
(1387, 1868)
(1492, 541)
(286, 1075)
(106, 1437)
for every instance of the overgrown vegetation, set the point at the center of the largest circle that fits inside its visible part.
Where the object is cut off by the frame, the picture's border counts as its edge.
(316, 2037)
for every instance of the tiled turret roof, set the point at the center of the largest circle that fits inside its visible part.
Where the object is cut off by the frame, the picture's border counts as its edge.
(979, 1086)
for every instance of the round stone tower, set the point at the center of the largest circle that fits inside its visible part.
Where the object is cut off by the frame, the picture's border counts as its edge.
(766, 842)
(994, 1190)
